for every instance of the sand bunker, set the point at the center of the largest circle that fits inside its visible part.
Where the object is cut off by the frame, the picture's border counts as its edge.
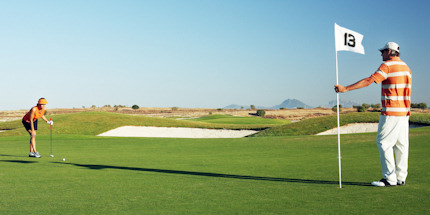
(353, 128)
(144, 131)
(359, 128)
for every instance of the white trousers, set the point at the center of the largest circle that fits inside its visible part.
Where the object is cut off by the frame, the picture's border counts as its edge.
(393, 144)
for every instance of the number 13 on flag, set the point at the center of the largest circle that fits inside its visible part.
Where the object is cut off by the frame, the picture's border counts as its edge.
(348, 40)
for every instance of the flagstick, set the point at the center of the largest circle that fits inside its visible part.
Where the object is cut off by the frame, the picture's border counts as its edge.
(338, 127)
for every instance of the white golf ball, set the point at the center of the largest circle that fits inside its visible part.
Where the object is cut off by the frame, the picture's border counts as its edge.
(51, 156)
(64, 159)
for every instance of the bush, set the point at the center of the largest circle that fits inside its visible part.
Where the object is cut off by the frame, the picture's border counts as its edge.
(375, 106)
(135, 107)
(261, 112)
(361, 109)
(366, 106)
(420, 105)
(334, 108)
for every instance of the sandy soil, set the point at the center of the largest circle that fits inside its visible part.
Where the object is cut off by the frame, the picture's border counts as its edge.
(290, 114)
(359, 128)
(145, 131)
(353, 128)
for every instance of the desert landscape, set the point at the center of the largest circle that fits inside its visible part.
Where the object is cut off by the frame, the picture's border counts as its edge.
(174, 112)
(293, 115)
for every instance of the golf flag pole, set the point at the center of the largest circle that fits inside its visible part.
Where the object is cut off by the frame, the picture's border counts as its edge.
(50, 125)
(338, 126)
(345, 40)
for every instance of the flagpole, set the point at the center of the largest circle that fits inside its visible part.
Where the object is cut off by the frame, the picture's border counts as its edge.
(338, 126)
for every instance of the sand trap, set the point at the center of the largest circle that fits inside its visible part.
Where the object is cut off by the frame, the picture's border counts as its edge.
(359, 128)
(353, 128)
(144, 131)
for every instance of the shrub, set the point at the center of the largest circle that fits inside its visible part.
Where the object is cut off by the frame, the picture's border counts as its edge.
(375, 106)
(135, 107)
(261, 112)
(334, 108)
(361, 109)
(420, 105)
(366, 106)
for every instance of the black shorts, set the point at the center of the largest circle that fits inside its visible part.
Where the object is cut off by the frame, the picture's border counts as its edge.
(27, 125)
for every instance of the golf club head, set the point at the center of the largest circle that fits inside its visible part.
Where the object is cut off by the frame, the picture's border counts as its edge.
(51, 156)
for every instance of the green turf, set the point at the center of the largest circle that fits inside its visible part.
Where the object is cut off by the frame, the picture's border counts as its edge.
(267, 175)
(226, 119)
(258, 175)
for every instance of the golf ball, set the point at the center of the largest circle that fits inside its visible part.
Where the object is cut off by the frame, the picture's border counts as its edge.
(64, 159)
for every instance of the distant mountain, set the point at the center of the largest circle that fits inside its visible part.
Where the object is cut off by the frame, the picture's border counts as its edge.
(291, 104)
(287, 104)
(234, 106)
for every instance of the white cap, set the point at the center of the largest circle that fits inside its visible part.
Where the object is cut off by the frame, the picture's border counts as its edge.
(391, 45)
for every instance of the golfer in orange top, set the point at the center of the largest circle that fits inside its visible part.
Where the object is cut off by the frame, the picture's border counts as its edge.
(30, 123)
(393, 130)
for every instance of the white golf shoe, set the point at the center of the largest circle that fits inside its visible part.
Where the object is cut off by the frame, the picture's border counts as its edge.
(383, 183)
(37, 155)
(31, 154)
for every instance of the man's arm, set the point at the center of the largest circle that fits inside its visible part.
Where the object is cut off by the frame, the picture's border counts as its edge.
(363, 83)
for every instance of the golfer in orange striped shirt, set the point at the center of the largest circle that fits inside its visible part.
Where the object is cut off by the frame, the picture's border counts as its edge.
(393, 129)
(30, 123)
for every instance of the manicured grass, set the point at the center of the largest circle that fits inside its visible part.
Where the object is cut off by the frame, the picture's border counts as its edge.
(257, 175)
(226, 119)
(269, 175)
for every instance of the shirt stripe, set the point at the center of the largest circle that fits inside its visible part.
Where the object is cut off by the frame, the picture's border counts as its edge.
(391, 63)
(382, 73)
(396, 86)
(390, 109)
(396, 98)
(398, 74)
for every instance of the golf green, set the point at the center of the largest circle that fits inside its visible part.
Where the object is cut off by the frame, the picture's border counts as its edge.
(260, 175)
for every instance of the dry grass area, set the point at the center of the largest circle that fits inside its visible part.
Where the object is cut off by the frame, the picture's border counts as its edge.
(290, 114)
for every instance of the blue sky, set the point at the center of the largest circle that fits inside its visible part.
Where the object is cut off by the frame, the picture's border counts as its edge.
(203, 54)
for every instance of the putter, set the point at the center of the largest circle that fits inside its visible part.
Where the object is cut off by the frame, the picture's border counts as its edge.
(51, 155)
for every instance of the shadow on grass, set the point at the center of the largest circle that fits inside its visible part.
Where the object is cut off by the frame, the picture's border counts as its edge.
(217, 175)
(18, 161)
(16, 156)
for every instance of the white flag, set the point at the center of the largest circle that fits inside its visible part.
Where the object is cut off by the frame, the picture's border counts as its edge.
(347, 40)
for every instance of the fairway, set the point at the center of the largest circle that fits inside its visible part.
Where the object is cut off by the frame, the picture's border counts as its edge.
(260, 175)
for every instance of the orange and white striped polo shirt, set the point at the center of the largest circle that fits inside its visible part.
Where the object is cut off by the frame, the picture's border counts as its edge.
(396, 78)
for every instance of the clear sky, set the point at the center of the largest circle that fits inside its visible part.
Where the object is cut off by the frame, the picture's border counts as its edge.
(200, 53)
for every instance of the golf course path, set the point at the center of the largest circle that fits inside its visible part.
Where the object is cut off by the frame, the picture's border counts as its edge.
(148, 131)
